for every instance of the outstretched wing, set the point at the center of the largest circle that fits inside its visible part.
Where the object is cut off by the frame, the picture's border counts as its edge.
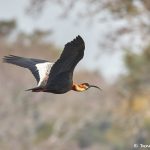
(64, 66)
(71, 55)
(34, 65)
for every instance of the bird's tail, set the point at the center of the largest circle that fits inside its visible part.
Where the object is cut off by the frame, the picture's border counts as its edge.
(35, 89)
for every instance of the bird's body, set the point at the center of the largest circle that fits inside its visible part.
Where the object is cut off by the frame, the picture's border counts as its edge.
(55, 77)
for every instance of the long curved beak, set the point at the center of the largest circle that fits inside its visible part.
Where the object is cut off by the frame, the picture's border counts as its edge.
(95, 87)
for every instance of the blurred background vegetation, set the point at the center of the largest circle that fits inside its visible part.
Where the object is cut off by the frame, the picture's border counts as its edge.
(114, 119)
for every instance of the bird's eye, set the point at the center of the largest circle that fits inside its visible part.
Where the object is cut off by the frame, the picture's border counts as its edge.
(86, 86)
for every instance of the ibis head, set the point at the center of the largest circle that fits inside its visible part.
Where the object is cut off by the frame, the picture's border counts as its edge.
(83, 87)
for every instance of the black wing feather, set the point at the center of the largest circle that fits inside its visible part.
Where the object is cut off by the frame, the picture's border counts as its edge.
(26, 63)
(64, 66)
(71, 55)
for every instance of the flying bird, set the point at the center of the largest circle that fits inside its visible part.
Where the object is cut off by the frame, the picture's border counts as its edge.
(55, 77)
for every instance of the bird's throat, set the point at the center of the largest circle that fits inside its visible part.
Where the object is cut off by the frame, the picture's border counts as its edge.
(78, 87)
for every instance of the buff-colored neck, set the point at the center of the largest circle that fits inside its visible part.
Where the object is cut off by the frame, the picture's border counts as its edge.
(78, 87)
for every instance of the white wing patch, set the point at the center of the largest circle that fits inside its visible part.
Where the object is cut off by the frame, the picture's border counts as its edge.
(44, 70)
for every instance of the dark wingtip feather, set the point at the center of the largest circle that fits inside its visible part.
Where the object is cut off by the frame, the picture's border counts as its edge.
(77, 41)
(79, 38)
(7, 58)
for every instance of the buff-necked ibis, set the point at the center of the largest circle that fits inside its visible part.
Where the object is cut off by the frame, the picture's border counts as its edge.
(55, 77)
